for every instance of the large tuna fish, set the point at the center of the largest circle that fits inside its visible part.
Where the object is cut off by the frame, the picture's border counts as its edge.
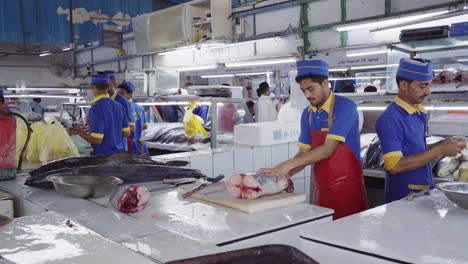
(115, 159)
(129, 173)
(253, 185)
(446, 166)
(366, 139)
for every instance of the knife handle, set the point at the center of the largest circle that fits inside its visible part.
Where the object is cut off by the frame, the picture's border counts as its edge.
(196, 189)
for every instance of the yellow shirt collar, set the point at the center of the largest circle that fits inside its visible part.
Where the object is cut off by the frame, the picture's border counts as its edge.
(326, 106)
(97, 98)
(409, 108)
(130, 100)
(114, 95)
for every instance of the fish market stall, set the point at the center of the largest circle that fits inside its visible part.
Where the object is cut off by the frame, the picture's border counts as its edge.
(218, 116)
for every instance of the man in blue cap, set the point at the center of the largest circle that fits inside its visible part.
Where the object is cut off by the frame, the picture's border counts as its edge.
(136, 146)
(106, 119)
(402, 132)
(329, 139)
(111, 90)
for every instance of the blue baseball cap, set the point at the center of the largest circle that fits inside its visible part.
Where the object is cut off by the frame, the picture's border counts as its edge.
(111, 75)
(99, 78)
(128, 86)
(416, 70)
(316, 67)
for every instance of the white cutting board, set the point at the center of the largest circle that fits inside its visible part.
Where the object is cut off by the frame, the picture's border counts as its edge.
(217, 193)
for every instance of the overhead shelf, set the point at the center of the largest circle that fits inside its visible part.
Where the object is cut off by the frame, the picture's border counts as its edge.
(432, 45)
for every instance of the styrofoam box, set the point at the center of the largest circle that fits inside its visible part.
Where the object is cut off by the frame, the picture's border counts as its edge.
(266, 133)
(6, 204)
(451, 124)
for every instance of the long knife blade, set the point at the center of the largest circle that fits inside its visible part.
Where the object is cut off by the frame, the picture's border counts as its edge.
(201, 186)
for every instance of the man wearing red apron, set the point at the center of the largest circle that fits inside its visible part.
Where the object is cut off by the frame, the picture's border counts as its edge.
(330, 140)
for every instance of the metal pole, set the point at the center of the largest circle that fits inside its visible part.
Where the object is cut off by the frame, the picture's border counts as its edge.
(214, 123)
(72, 36)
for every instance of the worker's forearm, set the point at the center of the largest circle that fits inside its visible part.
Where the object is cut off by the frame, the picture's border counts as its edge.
(431, 146)
(408, 163)
(89, 138)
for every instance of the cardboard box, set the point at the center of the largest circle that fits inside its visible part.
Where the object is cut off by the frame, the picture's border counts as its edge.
(266, 133)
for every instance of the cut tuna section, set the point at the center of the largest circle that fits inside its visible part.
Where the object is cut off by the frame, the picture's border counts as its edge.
(129, 199)
(253, 185)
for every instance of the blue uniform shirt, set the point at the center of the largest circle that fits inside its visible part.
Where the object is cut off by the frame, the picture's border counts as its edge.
(345, 126)
(107, 121)
(122, 101)
(140, 121)
(401, 130)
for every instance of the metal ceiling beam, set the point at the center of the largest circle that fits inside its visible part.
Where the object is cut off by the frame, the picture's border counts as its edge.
(263, 9)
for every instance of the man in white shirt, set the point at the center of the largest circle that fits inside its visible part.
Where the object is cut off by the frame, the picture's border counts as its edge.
(266, 110)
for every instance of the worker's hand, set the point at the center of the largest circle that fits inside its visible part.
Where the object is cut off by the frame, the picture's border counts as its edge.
(73, 131)
(282, 170)
(451, 147)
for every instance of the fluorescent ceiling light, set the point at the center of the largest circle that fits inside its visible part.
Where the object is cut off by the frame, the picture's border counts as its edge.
(365, 53)
(44, 54)
(252, 73)
(377, 66)
(338, 69)
(65, 49)
(191, 48)
(71, 90)
(40, 96)
(259, 62)
(197, 68)
(218, 76)
(388, 22)
(371, 108)
(171, 103)
(357, 78)
(462, 60)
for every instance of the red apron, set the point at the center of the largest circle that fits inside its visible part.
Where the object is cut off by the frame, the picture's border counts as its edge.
(338, 182)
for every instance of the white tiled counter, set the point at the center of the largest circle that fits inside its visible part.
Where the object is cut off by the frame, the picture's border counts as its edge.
(52, 238)
(218, 225)
(171, 228)
(429, 229)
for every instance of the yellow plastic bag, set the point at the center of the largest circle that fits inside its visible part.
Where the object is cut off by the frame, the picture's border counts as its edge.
(35, 142)
(21, 134)
(56, 143)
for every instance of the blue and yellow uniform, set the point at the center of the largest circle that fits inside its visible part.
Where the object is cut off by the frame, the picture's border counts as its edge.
(401, 129)
(123, 102)
(345, 126)
(106, 119)
(140, 122)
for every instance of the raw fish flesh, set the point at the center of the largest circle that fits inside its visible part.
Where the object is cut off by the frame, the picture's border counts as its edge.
(254, 185)
(461, 174)
(446, 166)
(445, 77)
(129, 199)
(461, 76)
(129, 173)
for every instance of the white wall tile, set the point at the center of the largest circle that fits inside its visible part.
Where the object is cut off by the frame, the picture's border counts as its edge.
(243, 159)
(299, 185)
(293, 149)
(203, 162)
(223, 163)
(262, 157)
(279, 153)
